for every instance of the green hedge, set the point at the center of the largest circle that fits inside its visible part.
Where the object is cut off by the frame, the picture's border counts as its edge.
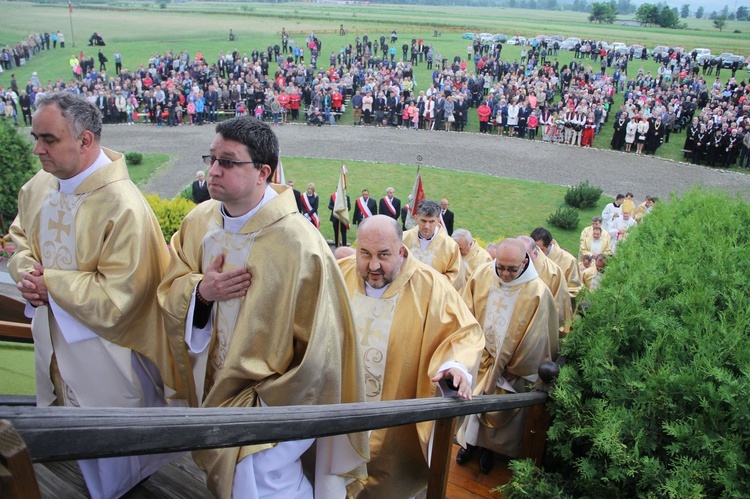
(654, 399)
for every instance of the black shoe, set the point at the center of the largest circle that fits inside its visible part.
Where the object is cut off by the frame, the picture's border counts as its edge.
(486, 461)
(464, 455)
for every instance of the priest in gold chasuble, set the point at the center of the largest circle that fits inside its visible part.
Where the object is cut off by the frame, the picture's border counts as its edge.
(430, 243)
(414, 332)
(257, 301)
(89, 258)
(518, 314)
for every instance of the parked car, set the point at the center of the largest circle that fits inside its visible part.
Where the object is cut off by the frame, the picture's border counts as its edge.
(499, 38)
(570, 43)
(638, 50)
(517, 40)
(557, 38)
(703, 53)
(467, 36)
(485, 37)
(660, 52)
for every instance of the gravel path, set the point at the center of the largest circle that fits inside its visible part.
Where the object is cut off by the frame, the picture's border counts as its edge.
(488, 154)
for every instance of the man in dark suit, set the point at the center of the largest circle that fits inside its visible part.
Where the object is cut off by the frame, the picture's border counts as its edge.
(338, 225)
(446, 216)
(200, 189)
(390, 205)
(297, 194)
(365, 207)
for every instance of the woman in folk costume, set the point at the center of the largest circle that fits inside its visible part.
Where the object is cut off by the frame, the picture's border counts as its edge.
(588, 131)
(310, 205)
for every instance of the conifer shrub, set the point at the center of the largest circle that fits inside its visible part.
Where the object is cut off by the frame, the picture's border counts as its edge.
(565, 218)
(133, 158)
(17, 166)
(169, 213)
(583, 195)
(654, 400)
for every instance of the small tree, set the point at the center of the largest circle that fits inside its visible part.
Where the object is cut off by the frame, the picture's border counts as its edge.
(742, 14)
(685, 11)
(699, 13)
(648, 14)
(602, 13)
(720, 22)
(16, 165)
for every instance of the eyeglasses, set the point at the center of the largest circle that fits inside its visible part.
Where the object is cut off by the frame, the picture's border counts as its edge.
(500, 269)
(224, 163)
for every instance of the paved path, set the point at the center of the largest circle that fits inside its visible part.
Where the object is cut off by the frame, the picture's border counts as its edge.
(472, 152)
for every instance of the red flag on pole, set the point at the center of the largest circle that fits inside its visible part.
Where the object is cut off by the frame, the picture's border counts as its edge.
(416, 196)
(70, 6)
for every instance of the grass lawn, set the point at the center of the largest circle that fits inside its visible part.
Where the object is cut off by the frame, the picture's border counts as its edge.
(140, 174)
(16, 369)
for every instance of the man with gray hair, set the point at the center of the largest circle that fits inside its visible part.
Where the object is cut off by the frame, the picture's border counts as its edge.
(472, 255)
(430, 243)
(200, 188)
(90, 255)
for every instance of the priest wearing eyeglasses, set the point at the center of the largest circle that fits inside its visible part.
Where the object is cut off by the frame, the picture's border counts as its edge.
(519, 317)
(286, 340)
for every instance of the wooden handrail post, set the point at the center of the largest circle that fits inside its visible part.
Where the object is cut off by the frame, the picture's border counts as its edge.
(442, 443)
(17, 477)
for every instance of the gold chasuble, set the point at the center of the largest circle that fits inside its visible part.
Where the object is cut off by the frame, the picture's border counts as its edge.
(418, 324)
(569, 265)
(476, 257)
(103, 254)
(553, 277)
(289, 341)
(589, 246)
(521, 331)
(442, 254)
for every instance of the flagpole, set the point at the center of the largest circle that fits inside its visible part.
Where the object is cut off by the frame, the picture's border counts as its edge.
(70, 14)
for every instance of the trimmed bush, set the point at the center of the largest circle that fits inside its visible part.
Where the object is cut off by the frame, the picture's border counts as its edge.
(170, 213)
(16, 165)
(133, 158)
(565, 218)
(583, 195)
(653, 401)
(187, 193)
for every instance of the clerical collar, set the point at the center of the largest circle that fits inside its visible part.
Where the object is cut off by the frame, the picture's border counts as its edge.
(419, 235)
(69, 185)
(528, 274)
(235, 224)
(375, 292)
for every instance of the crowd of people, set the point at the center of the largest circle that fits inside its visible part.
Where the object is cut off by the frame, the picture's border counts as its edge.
(530, 97)
(26, 48)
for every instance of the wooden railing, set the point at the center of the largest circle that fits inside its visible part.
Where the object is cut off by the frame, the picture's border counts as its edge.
(31, 434)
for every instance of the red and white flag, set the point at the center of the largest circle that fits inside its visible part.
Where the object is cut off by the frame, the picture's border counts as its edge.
(416, 196)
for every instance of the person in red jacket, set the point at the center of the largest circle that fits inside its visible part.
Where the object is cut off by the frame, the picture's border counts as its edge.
(294, 103)
(484, 113)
